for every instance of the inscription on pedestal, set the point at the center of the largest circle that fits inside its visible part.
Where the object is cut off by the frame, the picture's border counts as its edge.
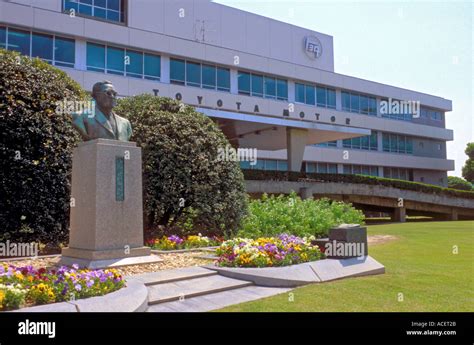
(119, 179)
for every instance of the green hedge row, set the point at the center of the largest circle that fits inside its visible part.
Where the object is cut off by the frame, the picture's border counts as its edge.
(344, 178)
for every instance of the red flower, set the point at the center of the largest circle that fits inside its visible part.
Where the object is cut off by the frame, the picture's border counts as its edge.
(42, 270)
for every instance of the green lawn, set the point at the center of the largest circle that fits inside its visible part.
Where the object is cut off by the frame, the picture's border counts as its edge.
(420, 264)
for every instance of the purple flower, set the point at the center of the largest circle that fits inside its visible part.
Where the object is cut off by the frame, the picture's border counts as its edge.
(75, 266)
(89, 283)
(64, 290)
(78, 287)
(176, 239)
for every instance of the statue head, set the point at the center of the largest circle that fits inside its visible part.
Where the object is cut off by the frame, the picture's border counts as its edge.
(105, 96)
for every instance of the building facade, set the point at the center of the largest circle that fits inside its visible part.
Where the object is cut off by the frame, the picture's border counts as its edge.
(269, 85)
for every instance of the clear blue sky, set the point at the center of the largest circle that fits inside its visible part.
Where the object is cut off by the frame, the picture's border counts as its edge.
(423, 46)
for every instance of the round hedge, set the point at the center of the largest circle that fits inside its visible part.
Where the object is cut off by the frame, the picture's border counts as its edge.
(35, 150)
(185, 186)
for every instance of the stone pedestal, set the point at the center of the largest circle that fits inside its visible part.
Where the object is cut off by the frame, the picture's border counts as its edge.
(106, 227)
(348, 241)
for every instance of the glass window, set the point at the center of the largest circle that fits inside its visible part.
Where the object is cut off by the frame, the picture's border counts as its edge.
(332, 168)
(374, 171)
(245, 165)
(71, 5)
(283, 165)
(374, 141)
(270, 87)
(322, 168)
(152, 67)
(42, 46)
(19, 41)
(346, 101)
(257, 85)
(356, 143)
(3, 38)
(403, 174)
(135, 64)
(193, 74)
(282, 89)
(386, 142)
(355, 103)
(409, 145)
(347, 143)
(394, 173)
(393, 143)
(321, 96)
(177, 71)
(365, 142)
(115, 60)
(271, 164)
(85, 9)
(365, 170)
(223, 79)
(100, 13)
(424, 113)
(332, 99)
(65, 51)
(208, 77)
(260, 165)
(300, 93)
(347, 169)
(244, 83)
(356, 170)
(401, 144)
(372, 106)
(310, 95)
(386, 173)
(364, 104)
(95, 57)
(311, 167)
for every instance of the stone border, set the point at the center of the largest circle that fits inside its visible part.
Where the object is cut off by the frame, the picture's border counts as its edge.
(310, 272)
(132, 298)
(201, 249)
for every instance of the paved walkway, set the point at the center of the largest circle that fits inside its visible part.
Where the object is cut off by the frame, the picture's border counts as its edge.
(197, 289)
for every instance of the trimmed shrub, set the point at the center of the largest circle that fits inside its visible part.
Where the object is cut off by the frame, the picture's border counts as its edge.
(36, 146)
(185, 185)
(275, 215)
(468, 168)
(459, 183)
(344, 178)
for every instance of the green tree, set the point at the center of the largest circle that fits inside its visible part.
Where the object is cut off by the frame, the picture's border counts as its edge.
(468, 168)
(36, 144)
(185, 184)
(458, 183)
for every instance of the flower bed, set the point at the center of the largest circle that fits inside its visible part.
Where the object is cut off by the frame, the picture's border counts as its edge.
(175, 242)
(283, 250)
(26, 286)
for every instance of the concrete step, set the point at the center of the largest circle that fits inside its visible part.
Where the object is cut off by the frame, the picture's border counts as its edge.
(169, 276)
(217, 300)
(183, 289)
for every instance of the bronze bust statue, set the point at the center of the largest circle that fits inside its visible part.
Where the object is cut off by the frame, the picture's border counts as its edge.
(104, 123)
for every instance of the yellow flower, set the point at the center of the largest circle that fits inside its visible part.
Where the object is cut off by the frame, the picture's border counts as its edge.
(19, 275)
(2, 296)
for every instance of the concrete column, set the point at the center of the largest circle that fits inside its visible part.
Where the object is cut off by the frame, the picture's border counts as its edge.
(399, 214)
(380, 169)
(296, 139)
(340, 168)
(234, 81)
(165, 69)
(305, 193)
(338, 100)
(291, 91)
(81, 55)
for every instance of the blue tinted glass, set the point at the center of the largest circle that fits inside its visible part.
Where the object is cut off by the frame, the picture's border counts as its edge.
(84, 9)
(364, 104)
(373, 141)
(257, 85)
(283, 165)
(347, 169)
(401, 144)
(19, 41)
(355, 103)
(282, 89)
(271, 165)
(322, 168)
(270, 88)
(65, 51)
(300, 93)
(364, 141)
(135, 66)
(310, 95)
(208, 77)
(113, 5)
(347, 143)
(393, 143)
(88, 2)
(386, 142)
(113, 16)
(245, 165)
(100, 3)
(71, 5)
(409, 145)
(42, 46)
(356, 143)
(177, 70)
(3, 38)
(311, 167)
(332, 168)
(193, 74)
(115, 60)
(346, 101)
(331, 99)
(95, 57)
(260, 165)
(321, 96)
(152, 66)
(100, 13)
(223, 79)
(372, 106)
(244, 82)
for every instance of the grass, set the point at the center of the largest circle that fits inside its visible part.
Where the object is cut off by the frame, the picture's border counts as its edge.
(419, 264)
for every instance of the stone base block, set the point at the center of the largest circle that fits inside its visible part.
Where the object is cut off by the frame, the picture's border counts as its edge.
(105, 254)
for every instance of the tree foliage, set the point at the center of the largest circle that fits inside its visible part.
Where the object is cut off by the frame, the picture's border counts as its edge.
(468, 168)
(185, 185)
(36, 146)
(459, 183)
